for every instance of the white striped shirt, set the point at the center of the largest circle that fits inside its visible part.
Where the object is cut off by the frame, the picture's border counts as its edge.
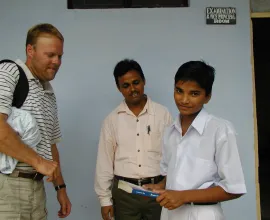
(40, 102)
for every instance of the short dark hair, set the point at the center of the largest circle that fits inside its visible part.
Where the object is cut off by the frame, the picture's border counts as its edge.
(125, 66)
(197, 71)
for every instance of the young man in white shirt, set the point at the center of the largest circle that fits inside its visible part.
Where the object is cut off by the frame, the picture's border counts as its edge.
(200, 156)
(130, 148)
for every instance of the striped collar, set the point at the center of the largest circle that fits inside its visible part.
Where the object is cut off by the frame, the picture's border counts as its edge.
(46, 85)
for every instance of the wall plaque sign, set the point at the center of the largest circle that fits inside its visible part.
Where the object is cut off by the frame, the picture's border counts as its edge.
(220, 15)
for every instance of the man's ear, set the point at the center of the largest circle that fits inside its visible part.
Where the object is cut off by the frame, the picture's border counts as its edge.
(30, 50)
(118, 87)
(208, 97)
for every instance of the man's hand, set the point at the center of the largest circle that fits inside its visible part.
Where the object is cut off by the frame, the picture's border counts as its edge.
(47, 168)
(152, 187)
(107, 212)
(159, 186)
(171, 199)
(65, 204)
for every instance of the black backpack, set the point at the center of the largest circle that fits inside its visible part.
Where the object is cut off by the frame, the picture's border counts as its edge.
(22, 87)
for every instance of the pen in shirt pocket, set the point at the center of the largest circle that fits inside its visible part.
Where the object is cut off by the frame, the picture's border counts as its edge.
(148, 129)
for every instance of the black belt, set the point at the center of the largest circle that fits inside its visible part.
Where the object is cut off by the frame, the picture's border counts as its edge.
(141, 181)
(201, 203)
(33, 175)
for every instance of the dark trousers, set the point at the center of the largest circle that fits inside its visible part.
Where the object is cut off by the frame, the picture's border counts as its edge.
(134, 207)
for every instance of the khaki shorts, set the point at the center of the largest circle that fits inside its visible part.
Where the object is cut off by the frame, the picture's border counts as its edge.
(22, 199)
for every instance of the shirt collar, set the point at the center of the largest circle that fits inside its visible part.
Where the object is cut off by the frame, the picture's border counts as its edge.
(147, 108)
(198, 123)
(46, 85)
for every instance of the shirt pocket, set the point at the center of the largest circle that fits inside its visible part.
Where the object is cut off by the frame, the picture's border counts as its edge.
(154, 140)
(154, 144)
(153, 148)
(124, 147)
(196, 171)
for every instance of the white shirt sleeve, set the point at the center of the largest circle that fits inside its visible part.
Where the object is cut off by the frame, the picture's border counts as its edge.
(105, 165)
(228, 162)
(56, 135)
(9, 76)
(163, 162)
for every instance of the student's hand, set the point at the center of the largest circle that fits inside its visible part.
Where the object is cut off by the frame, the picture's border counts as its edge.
(47, 168)
(107, 212)
(153, 187)
(171, 199)
(64, 202)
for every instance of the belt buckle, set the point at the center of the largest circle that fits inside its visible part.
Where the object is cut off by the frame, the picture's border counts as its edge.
(142, 179)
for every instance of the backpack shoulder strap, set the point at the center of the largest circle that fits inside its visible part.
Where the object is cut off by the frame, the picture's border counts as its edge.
(22, 87)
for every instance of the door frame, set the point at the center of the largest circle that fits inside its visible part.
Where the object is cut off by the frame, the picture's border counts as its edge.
(256, 147)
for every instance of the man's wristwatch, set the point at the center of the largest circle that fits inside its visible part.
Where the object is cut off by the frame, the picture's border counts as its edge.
(60, 187)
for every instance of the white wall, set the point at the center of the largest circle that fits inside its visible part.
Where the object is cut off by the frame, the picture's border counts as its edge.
(160, 40)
